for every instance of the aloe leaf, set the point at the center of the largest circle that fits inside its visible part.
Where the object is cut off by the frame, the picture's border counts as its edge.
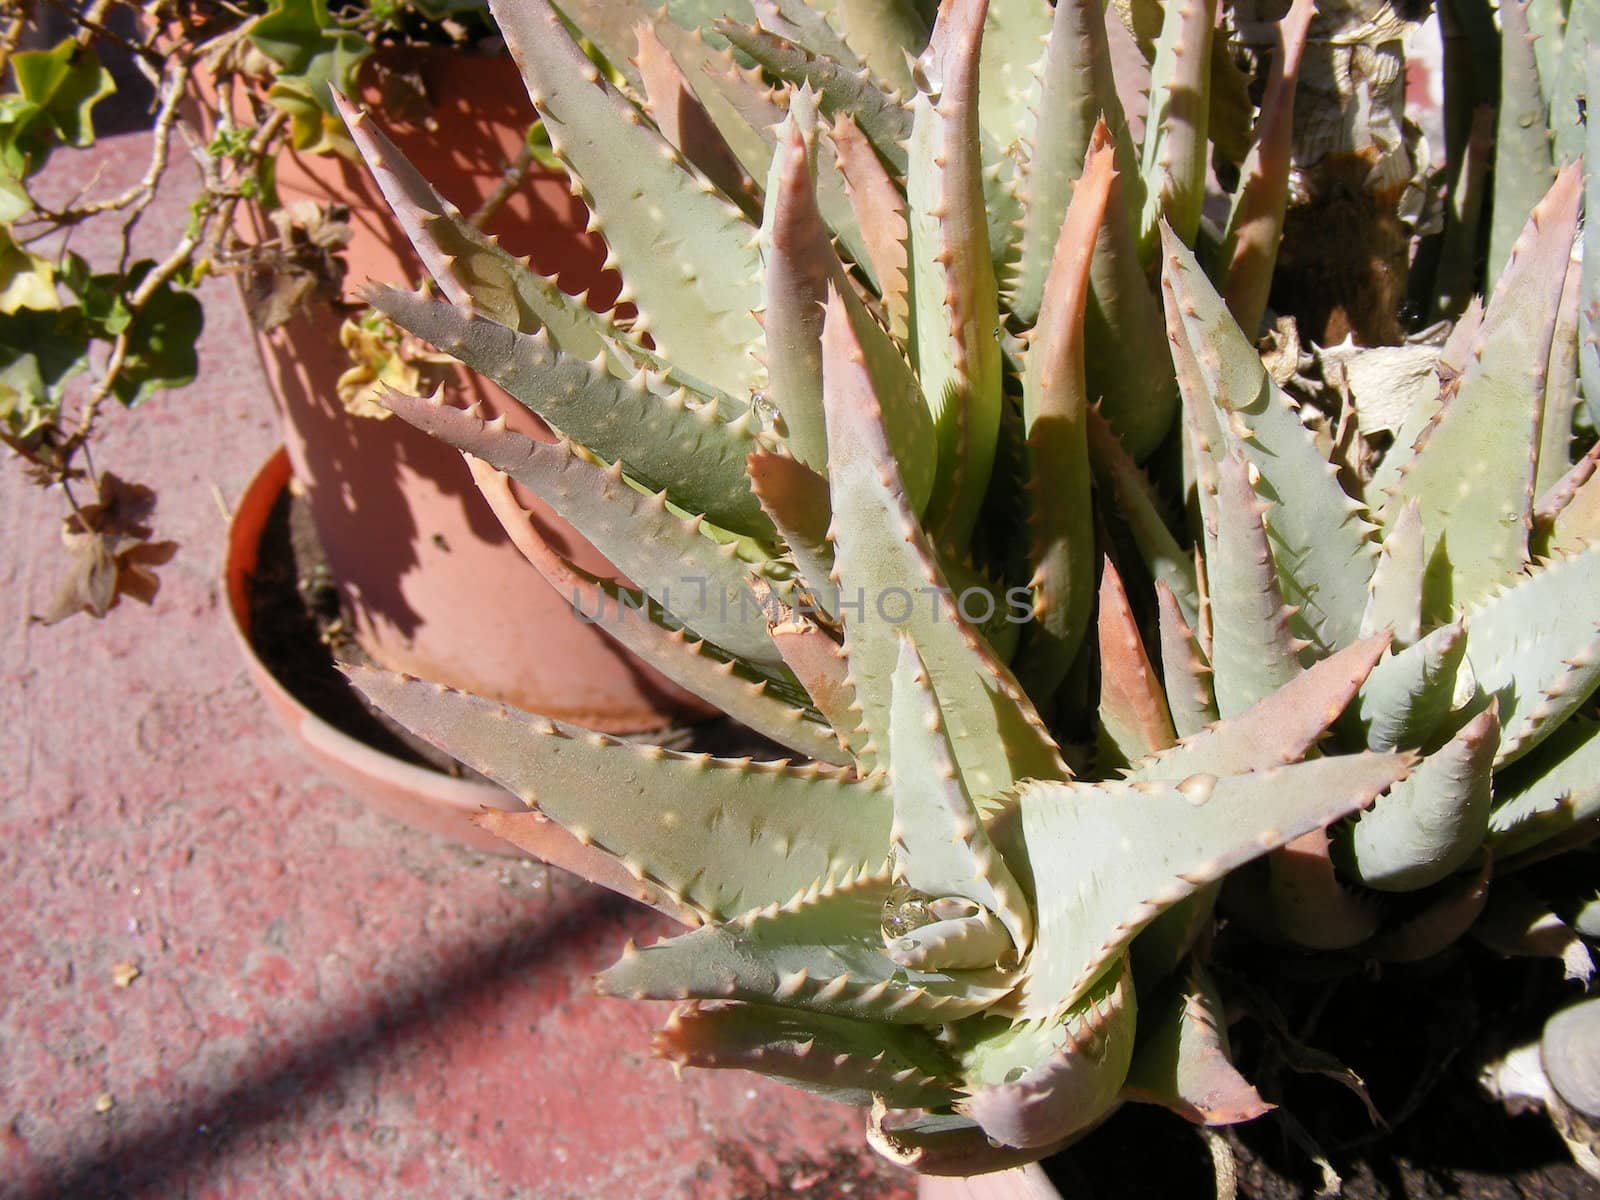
(1458, 253)
(722, 836)
(880, 211)
(1589, 299)
(940, 848)
(886, 35)
(940, 1144)
(1133, 719)
(801, 268)
(637, 622)
(1306, 903)
(1189, 834)
(1184, 669)
(1576, 524)
(1546, 22)
(1183, 1061)
(1518, 922)
(744, 109)
(1560, 389)
(1559, 496)
(822, 951)
(1174, 163)
(889, 577)
(1473, 471)
(818, 663)
(688, 258)
(1132, 369)
(1077, 91)
(1014, 35)
(537, 835)
(1430, 824)
(1278, 730)
(805, 23)
(1536, 647)
(1136, 502)
(672, 101)
(468, 265)
(953, 298)
(1407, 695)
(700, 582)
(1252, 651)
(1320, 544)
(1394, 593)
(796, 499)
(836, 1057)
(685, 445)
(1565, 83)
(1552, 792)
(747, 113)
(839, 88)
(1033, 1085)
(1255, 226)
(1524, 168)
(1452, 910)
(1054, 411)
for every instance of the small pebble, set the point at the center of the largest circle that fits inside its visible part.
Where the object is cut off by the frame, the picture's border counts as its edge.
(104, 1102)
(124, 973)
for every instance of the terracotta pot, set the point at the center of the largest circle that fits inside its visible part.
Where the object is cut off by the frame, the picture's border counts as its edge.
(418, 796)
(434, 586)
(1019, 1183)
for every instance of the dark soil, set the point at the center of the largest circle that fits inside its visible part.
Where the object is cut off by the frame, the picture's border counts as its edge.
(300, 633)
(1417, 1038)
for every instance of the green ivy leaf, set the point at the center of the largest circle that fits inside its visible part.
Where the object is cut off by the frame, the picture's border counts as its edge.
(311, 49)
(99, 296)
(26, 280)
(161, 342)
(15, 203)
(40, 350)
(312, 127)
(65, 83)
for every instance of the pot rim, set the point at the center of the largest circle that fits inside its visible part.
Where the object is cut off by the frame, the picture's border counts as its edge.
(245, 523)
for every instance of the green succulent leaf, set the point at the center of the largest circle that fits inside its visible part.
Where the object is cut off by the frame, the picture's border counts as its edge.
(688, 255)
(1183, 1061)
(703, 583)
(1431, 823)
(954, 306)
(1278, 730)
(1189, 834)
(843, 1059)
(1535, 646)
(1524, 167)
(1554, 791)
(1321, 551)
(940, 848)
(1407, 695)
(890, 582)
(1037, 1083)
(722, 836)
(1473, 470)
(822, 952)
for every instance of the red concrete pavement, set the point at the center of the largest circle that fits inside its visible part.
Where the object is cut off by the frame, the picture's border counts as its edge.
(325, 1004)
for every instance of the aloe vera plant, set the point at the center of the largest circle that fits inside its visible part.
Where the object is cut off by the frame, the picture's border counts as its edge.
(842, 444)
(1472, 543)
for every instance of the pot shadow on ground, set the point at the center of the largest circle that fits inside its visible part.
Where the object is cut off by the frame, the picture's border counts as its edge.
(171, 1155)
